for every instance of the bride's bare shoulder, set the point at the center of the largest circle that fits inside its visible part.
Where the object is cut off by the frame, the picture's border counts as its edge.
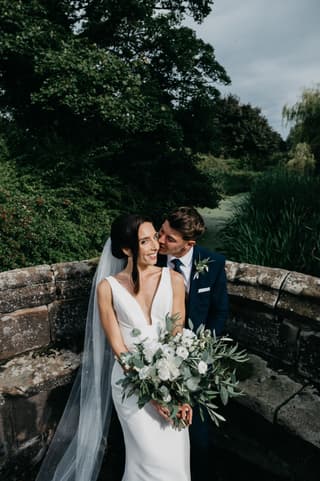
(103, 287)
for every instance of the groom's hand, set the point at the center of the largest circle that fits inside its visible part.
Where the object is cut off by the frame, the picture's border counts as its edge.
(185, 413)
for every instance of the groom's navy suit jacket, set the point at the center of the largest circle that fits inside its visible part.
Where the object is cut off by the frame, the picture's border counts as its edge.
(208, 297)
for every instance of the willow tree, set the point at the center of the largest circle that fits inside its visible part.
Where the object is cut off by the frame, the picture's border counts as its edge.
(304, 117)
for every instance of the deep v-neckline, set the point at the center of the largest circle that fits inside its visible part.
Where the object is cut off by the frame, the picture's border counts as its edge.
(148, 321)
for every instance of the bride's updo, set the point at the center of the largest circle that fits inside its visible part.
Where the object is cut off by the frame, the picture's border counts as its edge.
(124, 235)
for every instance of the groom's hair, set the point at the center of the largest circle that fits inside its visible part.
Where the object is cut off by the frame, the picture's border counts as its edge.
(187, 221)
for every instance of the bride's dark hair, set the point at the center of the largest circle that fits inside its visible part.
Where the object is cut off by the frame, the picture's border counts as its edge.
(124, 235)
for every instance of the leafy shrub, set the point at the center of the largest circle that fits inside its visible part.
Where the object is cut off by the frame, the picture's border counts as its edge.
(40, 224)
(278, 225)
(228, 176)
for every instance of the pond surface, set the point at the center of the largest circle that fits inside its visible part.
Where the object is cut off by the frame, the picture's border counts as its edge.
(215, 219)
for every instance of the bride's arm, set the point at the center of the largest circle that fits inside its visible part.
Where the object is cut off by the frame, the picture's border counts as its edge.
(108, 318)
(178, 305)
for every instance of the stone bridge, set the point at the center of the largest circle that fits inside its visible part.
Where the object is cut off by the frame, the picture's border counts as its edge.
(275, 315)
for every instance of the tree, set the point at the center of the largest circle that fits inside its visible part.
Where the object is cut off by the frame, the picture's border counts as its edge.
(89, 79)
(227, 128)
(304, 116)
(302, 159)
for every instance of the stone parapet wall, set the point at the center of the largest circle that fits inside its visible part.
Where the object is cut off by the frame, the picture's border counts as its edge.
(43, 305)
(274, 314)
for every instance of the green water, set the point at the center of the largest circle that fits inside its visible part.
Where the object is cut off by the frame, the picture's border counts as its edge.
(215, 219)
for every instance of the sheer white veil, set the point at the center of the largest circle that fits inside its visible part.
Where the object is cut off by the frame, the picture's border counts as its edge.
(77, 448)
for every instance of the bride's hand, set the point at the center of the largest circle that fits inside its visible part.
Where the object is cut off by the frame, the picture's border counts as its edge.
(185, 413)
(162, 410)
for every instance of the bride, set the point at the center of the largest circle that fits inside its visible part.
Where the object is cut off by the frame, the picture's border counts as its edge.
(128, 292)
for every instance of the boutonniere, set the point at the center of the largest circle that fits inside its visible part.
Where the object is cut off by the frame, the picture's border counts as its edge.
(201, 266)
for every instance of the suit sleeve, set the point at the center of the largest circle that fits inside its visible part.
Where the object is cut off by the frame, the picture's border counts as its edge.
(219, 305)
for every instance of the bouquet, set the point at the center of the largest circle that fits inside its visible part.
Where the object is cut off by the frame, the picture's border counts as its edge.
(187, 367)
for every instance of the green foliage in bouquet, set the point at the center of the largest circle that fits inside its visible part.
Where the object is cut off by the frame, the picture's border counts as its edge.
(187, 367)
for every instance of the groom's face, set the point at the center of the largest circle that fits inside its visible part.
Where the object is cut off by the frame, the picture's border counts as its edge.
(171, 241)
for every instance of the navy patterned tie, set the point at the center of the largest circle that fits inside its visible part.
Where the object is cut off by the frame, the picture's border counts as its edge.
(177, 265)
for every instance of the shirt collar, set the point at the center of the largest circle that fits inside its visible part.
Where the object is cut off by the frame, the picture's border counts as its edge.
(186, 259)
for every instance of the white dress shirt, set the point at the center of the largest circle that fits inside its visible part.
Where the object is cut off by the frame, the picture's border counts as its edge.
(185, 267)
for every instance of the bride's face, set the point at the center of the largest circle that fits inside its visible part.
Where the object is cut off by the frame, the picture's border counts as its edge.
(148, 244)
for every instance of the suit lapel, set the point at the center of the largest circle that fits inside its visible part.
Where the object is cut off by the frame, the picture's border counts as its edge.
(193, 282)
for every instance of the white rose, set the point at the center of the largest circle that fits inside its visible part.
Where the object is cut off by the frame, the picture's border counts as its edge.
(163, 369)
(202, 367)
(182, 352)
(174, 363)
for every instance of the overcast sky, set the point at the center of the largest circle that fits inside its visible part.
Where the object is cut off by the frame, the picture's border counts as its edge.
(269, 48)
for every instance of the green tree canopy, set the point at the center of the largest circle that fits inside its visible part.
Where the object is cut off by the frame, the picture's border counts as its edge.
(102, 82)
(228, 128)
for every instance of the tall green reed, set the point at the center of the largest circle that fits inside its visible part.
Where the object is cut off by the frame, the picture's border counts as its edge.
(278, 225)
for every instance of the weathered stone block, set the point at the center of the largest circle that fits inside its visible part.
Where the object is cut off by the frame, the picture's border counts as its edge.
(299, 284)
(32, 421)
(245, 293)
(258, 330)
(301, 415)
(23, 330)
(269, 277)
(265, 390)
(32, 286)
(33, 372)
(288, 343)
(309, 355)
(254, 284)
(300, 299)
(74, 279)
(67, 320)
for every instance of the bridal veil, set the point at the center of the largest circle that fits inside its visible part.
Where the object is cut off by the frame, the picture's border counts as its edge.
(77, 448)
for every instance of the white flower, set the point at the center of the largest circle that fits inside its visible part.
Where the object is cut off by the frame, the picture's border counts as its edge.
(202, 367)
(144, 372)
(150, 348)
(187, 333)
(167, 368)
(163, 369)
(182, 352)
(168, 350)
(188, 338)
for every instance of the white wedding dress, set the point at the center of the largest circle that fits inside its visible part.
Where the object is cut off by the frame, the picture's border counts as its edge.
(154, 450)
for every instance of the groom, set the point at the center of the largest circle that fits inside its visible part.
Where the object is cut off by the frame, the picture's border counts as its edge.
(206, 302)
